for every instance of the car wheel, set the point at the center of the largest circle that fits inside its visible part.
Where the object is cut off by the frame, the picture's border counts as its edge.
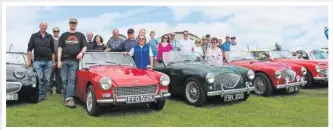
(158, 105)
(262, 85)
(91, 103)
(33, 95)
(309, 78)
(194, 93)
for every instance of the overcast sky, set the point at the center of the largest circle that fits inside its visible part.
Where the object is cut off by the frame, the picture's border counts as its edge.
(292, 26)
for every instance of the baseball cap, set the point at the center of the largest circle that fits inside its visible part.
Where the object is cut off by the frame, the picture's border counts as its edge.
(73, 20)
(130, 30)
(233, 38)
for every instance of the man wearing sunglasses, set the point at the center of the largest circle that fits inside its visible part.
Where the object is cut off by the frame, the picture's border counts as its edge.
(55, 74)
(186, 45)
(72, 45)
(174, 42)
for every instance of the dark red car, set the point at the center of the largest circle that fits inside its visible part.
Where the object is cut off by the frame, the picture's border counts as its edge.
(269, 76)
(317, 70)
(112, 78)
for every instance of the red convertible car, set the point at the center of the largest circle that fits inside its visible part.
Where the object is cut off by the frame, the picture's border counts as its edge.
(112, 78)
(317, 69)
(269, 76)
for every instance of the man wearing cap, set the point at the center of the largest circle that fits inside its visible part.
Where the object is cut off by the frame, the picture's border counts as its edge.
(55, 74)
(72, 45)
(42, 44)
(174, 42)
(90, 44)
(114, 43)
(129, 43)
(234, 46)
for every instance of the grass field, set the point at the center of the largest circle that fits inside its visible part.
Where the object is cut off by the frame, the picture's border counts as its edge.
(307, 108)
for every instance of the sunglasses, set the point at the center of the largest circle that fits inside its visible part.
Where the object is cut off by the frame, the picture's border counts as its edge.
(172, 35)
(56, 31)
(214, 42)
(197, 42)
(204, 39)
(141, 38)
(165, 37)
(227, 37)
(185, 34)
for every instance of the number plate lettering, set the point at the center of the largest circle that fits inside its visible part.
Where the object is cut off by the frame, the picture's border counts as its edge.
(232, 97)
(139, 99)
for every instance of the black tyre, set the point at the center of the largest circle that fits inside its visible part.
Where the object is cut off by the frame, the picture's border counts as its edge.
(194, 92)
(263, 85)
(157, 105)
(91, 104)
(33, 95)
(309, 79)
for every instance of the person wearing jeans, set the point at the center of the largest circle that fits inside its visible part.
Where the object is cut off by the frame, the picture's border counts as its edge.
(72, 45)
(55, 73)
(43, 46)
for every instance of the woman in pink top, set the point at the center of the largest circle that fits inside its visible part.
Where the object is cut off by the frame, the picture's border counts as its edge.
(164, 46)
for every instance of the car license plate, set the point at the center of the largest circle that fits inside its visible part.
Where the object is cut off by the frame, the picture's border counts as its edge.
(232, 97)
(293, 89)
(10, 97)
(139, 99)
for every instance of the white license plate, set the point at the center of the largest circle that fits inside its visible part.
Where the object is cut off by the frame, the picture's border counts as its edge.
(140, 99)
(293, 89)
(232, 97)
(10, 97)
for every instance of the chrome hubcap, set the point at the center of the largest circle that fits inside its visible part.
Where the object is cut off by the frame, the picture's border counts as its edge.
(89, 101)
(259, 85)
(192, 92)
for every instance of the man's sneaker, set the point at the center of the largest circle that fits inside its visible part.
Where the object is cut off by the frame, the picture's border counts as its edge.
(70, 103)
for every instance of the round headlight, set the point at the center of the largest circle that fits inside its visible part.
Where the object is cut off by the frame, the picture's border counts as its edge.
(210, 77)
(278, 74)
(19, 73)
(317, 68)
(165, 80)
(303, 70)
(105, 83)
(250, 74)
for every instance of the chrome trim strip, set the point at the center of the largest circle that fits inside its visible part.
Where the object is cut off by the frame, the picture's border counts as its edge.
(14, 83)
(320, 78)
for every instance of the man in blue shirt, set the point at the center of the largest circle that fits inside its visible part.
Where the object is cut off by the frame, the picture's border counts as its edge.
(128, 44)
(226, 45)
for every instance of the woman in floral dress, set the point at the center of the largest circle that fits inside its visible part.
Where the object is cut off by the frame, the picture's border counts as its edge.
(214, 54)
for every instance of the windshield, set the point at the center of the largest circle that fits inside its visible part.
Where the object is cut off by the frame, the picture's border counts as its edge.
(239, 55)
(176, 56)
(15, 58)
(281, 54)
(106, 58)
(318, 55)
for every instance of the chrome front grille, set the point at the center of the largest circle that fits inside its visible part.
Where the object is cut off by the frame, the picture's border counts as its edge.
(134, 90)
(289, 75)
(13, 87)
(228, 80)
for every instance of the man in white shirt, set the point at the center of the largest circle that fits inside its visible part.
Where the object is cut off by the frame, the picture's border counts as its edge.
(186, 45)
(234, 46)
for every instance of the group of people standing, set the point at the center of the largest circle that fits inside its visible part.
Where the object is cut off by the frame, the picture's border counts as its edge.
(58, 55)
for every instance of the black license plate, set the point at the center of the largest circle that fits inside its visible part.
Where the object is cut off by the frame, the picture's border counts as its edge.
(10, 97)
(140, 99)
(232, 97)
(293, 89)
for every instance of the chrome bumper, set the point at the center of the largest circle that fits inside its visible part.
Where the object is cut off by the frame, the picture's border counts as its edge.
(122, 99)
(291, 84)
(222, 92)
(324, 78)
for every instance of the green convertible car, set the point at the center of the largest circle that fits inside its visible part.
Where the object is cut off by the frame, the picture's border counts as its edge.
(196, 81)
